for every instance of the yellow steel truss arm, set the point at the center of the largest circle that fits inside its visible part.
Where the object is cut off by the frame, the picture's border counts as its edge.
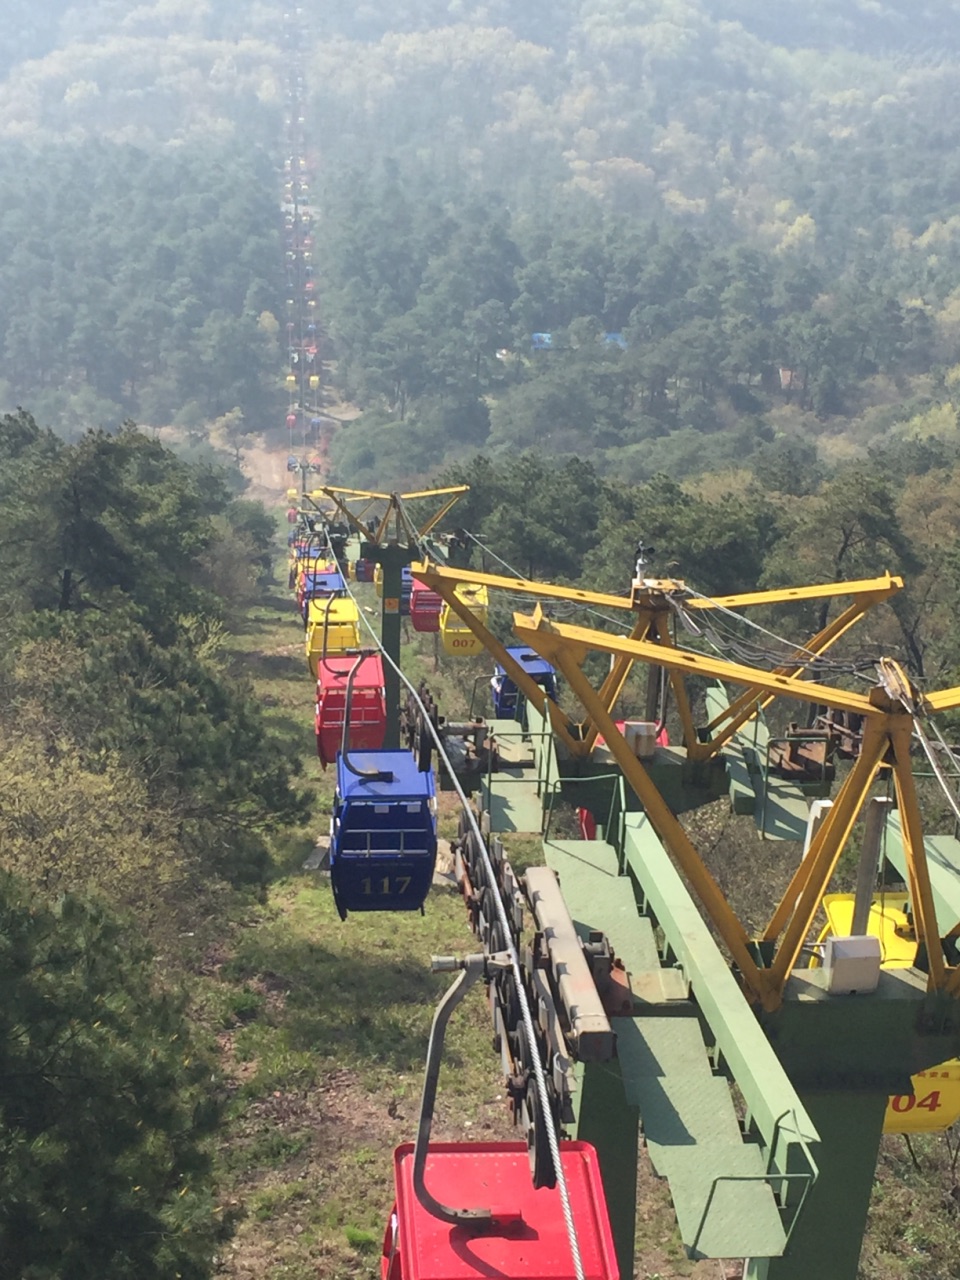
(612, 686)
(693, 663)
(887, 734)
(805, 892)
(433, 574)
(880, 587)
(664, 823)
(341, 496)
(753, 700)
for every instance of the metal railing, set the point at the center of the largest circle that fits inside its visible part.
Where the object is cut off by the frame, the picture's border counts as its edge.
(615, 791)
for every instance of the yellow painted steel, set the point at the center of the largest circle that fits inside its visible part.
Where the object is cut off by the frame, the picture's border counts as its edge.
(918, 874)
(885, 586)
(585, 640)
(879, 587)
(802, 899)
(942, 700)
(405, 530)
(887, 921)
(664, 823)
(888, 721)
(934, 1102)
(433, 574)
(751, 702)
(533, 692)
(612, 686)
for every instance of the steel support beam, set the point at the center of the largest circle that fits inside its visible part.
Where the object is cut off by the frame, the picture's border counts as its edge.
(799, 904)
(433, 574)
(665, 824)
(914, 853)
(752, 701)
(586, 639)
(882, 587)
(591, 1036)
(612, 686)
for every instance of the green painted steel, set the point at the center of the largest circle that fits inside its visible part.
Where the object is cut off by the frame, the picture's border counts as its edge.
(779, 808)
(943, 863)
(725, 1208)
(392, 558)
(869, 1042)
(782, 810)
(826, 1240)
(604, 1118)
(599, 897)
(724, 1204)
(513, 802)
(775, 1109)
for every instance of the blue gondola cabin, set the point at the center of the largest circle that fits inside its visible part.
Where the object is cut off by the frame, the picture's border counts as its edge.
(312, 585)
(383, 834)
(508, 701)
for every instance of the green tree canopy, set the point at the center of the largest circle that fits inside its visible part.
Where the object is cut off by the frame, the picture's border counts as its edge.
(107, 1101)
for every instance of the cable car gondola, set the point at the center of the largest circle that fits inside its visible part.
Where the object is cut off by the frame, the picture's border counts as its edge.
(508, 701)
(425, 607)
(525, 1238)
(368, 708)
(456, 636)
(363, 570)
(333, 627)
(312, 586)
(406, 590)
(383, 834)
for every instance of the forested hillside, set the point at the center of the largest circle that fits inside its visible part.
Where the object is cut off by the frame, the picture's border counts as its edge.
(685, 270)
(736, 222)
(139, 782)
(138, 285)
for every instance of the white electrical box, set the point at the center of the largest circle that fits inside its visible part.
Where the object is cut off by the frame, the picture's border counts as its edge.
(641, 738)
(852, 965)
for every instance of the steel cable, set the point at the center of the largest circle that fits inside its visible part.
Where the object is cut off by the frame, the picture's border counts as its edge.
(538, 1068)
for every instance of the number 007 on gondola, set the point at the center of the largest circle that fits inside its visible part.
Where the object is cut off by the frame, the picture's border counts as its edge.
(383, 839)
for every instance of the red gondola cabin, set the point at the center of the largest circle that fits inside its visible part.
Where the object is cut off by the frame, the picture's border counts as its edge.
(368, 708)
(425, 606)
(527, 1239)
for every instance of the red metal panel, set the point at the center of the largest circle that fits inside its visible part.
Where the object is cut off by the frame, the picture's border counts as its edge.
(529, 1242)
(368, 712)
(425, 606)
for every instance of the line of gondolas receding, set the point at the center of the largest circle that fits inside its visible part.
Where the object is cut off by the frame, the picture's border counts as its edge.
(309, 428)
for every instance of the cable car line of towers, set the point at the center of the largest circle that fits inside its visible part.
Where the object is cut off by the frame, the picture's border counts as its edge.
(590, 1042)
(765, 967)
(374, 866)
(303, 381)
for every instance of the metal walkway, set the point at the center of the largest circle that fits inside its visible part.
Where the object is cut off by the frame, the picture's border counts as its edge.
(725, 1207)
